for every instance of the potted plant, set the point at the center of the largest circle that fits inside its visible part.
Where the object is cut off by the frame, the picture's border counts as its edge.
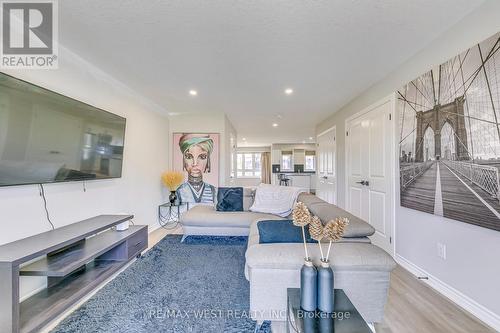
(172, 180)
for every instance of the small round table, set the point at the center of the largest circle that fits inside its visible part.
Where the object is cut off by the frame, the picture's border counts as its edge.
(169, 214)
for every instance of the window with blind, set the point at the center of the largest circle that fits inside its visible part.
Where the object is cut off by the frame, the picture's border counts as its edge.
(286, 161)
(310, 161)
(248, 165)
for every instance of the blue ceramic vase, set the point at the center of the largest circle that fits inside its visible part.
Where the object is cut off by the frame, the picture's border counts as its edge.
(308, 286)
(325, 287)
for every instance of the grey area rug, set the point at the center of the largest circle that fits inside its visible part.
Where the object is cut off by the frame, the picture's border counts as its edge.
(195, 286)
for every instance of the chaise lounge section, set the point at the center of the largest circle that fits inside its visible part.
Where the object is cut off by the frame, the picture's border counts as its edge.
(360, 268)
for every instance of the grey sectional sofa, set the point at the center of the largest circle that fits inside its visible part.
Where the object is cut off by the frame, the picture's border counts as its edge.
(361, 268)
(205, 220)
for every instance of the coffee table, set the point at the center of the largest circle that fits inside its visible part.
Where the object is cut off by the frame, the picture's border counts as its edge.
(345, 319)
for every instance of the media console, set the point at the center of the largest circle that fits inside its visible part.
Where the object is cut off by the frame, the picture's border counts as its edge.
(75, 259)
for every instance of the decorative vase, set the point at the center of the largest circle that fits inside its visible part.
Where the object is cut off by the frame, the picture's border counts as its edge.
(326, 323)
(309, 322)
(325, 287)
(172, 197)
(308, 286)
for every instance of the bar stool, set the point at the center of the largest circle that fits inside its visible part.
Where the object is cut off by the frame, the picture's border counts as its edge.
(284, 181)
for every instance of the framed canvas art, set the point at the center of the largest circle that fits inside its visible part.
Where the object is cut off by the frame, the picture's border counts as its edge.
(197, 155)
(449, 138)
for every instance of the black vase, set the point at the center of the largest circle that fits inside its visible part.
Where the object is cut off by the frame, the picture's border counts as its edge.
(172, 197)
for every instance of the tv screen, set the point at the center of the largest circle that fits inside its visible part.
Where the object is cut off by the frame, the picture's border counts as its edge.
(46, 137)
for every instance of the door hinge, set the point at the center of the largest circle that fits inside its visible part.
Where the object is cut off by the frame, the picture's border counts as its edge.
(390, 116)
(390, 240)
(347, 133)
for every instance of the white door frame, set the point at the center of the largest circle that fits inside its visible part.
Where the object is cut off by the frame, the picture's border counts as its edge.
(392, 99)
(335, 173)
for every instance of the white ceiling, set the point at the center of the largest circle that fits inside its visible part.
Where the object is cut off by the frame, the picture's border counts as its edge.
(241, 55)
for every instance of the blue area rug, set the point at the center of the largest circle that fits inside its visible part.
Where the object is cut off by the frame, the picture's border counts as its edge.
(195, 286)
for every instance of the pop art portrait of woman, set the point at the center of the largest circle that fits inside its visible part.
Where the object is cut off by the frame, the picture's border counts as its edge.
(197, 155)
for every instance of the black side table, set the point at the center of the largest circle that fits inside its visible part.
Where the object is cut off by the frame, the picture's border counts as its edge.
(169, 214)
(345, 319)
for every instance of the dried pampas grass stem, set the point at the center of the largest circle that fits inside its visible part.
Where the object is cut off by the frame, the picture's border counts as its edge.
(334, 231)
(301, 217)
(316, 231)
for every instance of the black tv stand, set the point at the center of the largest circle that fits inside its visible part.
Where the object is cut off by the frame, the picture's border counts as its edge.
(75, 259)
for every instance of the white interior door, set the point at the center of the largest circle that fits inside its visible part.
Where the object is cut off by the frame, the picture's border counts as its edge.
(369, 171)
(326, 188)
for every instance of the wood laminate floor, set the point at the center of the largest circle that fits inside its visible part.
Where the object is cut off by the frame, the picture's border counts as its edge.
(412, 306)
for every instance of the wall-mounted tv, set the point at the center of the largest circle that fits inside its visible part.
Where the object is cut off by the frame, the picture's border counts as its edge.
(46, 137)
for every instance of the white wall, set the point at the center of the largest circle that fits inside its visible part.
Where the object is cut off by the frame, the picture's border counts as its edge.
(471, 271)
(139, 190)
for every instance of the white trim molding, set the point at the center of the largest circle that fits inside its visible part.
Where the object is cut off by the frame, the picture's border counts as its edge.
(465, 302)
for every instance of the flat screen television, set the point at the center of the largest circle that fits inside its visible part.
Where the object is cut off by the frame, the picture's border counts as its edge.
(46, 137)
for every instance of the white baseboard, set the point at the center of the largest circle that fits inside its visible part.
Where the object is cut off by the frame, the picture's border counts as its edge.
(465, 302)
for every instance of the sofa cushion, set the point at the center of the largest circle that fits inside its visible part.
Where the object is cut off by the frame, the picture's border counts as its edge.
(229, 199)
(253, 234)
(308, 199)
(356, 228)
(254, 237)
(348, 256)
(273, 199)
(326, 212)
(207, 216)
(281, 232)
(248, 197)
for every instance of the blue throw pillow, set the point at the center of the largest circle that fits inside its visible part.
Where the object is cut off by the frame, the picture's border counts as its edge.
(281, 231)
(230, 199)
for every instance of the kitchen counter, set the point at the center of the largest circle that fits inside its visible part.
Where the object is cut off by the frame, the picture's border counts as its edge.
(306, 180)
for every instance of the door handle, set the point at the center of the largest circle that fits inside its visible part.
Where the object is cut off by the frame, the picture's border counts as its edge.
(367, 183)
(364, 182)
(324, 177)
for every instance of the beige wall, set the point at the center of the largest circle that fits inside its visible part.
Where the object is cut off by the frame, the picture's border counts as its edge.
(471, 251)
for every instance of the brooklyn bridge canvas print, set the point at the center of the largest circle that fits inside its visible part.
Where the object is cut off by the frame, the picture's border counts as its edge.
(449, 138)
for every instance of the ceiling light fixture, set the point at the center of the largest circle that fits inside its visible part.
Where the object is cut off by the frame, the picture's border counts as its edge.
(288, 91)
(193, 92)
(310, 138)
(275, 125)
(244, 139)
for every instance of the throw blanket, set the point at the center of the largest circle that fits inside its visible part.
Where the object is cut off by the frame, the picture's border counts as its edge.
(277, 200)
